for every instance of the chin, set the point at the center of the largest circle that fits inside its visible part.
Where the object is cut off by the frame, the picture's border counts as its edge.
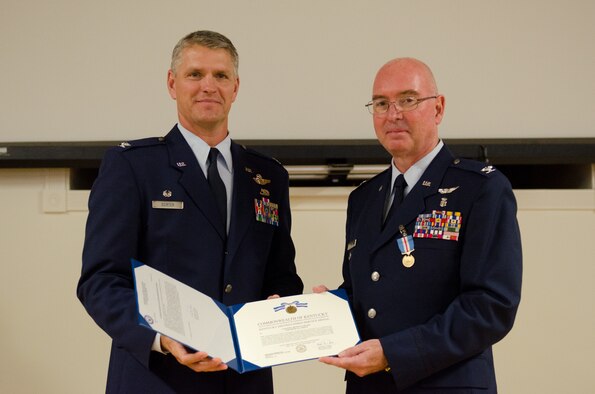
(395, 146)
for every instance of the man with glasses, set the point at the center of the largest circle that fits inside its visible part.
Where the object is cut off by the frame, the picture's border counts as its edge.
(433, 254)
(198, 207)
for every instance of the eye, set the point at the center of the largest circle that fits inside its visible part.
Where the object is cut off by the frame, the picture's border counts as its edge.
(380, 104)
(221, 76)
(195, 75)
(406, 102)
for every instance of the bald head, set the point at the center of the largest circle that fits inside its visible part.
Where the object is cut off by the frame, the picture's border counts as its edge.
(412, 67)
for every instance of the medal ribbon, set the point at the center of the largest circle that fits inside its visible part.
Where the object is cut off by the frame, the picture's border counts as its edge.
(405, 244)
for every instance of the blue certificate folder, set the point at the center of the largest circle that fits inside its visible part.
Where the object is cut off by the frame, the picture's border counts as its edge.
(245, 336)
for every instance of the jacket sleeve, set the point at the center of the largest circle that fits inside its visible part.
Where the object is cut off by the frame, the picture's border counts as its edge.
(484, 311)
(113, 226)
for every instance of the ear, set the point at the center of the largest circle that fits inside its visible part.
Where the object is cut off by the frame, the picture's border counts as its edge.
(236, 88)
(440, 104)
(171, 84)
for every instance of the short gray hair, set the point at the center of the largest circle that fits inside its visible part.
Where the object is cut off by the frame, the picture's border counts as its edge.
(205, 38)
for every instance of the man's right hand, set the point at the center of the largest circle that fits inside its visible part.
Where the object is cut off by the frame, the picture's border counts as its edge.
(198, 361)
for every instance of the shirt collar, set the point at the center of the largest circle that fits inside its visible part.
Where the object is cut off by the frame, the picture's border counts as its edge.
(414, 173)
(201, 149)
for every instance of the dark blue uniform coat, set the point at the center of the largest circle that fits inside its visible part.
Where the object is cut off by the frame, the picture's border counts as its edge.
(257, 259)
(438, 319)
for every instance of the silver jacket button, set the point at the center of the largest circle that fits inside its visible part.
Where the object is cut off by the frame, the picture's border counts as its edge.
(228, 289)
(371, 313)
(375, 276)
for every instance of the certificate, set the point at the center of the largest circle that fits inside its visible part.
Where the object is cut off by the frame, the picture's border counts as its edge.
(245, 336)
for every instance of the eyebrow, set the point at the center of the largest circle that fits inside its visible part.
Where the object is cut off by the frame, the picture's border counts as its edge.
(409, 92)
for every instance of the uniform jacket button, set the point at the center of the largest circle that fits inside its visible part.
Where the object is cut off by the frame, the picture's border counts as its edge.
(371, 313)
(375, 276)
(228, 289)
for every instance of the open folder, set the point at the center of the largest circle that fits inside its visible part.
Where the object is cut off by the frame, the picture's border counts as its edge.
(245, 336)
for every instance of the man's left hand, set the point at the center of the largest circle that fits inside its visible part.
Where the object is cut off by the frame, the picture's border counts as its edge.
(362, 359)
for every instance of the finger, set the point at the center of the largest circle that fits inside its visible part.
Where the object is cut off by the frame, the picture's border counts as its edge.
(319, 289)
(352, 351)
(335, 361)
(209, 365)
(273, 296)
(193, 358)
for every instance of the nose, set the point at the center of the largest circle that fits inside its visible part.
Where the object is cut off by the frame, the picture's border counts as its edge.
(209, 83)
(393, 111)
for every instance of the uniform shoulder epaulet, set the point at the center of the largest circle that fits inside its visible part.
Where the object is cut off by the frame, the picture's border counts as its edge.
(473, 166)
(141, 142)
(261, 155)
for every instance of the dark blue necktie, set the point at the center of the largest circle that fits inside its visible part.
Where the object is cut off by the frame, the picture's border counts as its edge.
(399, 188)
(217, 186)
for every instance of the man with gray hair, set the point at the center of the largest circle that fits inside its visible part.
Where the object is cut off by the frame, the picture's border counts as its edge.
(433, 257)
(187, 204)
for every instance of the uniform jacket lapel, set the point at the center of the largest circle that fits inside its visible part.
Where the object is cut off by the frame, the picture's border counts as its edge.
(375, 216)
(242, 203)
(415, 201)
(192, 178)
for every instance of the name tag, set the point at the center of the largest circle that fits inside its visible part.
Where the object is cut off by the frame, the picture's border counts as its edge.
(168, 204)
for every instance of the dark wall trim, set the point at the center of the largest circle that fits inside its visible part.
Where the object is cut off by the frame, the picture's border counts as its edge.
(529, 163)
(308, 152)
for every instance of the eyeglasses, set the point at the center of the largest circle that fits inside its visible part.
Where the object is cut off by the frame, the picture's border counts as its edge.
(408, 103)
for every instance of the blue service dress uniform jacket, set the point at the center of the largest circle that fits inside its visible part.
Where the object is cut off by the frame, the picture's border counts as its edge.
(255, 260)
(437, 319)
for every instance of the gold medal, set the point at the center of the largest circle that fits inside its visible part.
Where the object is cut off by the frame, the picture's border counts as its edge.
(408, 260)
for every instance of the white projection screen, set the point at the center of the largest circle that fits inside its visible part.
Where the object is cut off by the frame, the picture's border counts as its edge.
(96, 70)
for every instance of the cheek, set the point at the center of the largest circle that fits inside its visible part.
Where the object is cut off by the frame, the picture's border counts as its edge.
(378, 126)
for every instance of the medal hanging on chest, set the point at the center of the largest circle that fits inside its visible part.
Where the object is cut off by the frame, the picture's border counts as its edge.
(406, 246)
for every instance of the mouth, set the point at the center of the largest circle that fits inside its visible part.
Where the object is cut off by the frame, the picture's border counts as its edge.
(208, 101)
(395, 131)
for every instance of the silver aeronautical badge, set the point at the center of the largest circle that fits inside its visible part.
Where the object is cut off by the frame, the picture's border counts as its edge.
(488, 169)
(448, 190)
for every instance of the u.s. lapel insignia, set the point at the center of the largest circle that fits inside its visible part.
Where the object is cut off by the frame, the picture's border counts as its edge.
(426, 183)
(265, 192)
(167, 193)
(488, 169)
(260, 180)
(248, 169)
(447, 190)
(181, 164)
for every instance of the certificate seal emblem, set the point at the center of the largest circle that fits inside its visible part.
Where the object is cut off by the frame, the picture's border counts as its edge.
(408, 261)
(300, 348)
(291, 309)
(149, 319)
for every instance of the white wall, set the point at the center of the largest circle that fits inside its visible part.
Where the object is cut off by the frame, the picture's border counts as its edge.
(83, 70)
(51, 345)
